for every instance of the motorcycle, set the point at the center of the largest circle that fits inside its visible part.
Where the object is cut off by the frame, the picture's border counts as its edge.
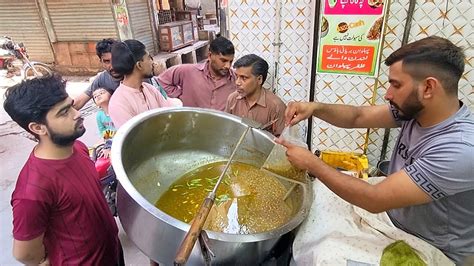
(107, 178)
(10, 51)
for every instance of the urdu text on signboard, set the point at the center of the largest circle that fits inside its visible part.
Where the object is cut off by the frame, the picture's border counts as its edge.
(350, 36)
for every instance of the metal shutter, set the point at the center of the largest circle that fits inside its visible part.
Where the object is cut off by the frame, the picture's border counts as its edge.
(82, 21)
(21, 21)
(141, 24)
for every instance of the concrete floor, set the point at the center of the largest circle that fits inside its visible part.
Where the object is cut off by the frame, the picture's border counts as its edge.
(15, 147)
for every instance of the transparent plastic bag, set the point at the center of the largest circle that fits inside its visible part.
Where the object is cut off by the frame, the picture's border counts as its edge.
(292, 135)
(277, 161)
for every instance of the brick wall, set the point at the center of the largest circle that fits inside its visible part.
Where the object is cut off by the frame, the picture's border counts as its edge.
(76, 58)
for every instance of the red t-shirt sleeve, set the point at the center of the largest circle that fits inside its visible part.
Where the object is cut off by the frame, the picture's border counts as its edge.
(81, 147)
(30, 218)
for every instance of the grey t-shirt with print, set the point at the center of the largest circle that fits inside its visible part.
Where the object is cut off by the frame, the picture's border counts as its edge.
(106, 81)
(103, 80)
(440, 160)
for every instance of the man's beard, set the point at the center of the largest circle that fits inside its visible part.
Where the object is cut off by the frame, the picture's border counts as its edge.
(115, 75)
(148, 76)
(411, 108)
(220, 72)
(67, 140)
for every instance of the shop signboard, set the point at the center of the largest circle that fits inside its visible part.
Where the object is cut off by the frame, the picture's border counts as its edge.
(350, 36)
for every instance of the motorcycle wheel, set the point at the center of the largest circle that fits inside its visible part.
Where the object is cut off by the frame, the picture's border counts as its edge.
(41, 69)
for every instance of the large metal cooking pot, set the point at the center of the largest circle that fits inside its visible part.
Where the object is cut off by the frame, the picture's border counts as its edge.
(155, 148)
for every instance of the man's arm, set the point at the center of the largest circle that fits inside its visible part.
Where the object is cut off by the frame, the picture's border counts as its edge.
(171, 82)
(84, 97)
(340, 115)
(81, 100)
(396, 191)
(29, 252)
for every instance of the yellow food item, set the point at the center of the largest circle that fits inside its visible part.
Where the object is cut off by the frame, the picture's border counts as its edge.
(247, 201)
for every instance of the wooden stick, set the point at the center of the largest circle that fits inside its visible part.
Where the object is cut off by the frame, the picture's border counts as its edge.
(198, 222)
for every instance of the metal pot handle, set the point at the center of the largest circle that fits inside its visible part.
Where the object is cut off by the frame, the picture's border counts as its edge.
(205, 249)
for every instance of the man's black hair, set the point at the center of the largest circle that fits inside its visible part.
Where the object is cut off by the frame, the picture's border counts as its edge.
(258, 64)
(104, 46)
(221, 45)
(126, 54)
(31, 100)
(432, 56)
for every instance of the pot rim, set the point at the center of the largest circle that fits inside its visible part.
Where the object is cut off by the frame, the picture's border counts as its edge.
(125, 182)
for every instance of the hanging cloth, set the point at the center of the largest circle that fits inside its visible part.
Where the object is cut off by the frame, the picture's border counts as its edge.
(193, 4)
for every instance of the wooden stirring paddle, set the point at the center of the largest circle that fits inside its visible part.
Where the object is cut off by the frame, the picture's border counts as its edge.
(199, 220)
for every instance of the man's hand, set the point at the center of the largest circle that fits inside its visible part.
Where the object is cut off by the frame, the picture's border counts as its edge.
(297, 111)
(298, 156)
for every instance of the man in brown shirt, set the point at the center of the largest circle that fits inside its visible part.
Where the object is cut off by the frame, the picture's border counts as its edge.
(251, 100)
(205, 85)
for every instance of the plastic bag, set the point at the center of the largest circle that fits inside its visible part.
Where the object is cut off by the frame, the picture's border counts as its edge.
(291, 135)
(277, 161)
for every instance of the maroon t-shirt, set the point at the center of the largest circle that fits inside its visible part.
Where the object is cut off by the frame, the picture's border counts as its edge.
(63, 200)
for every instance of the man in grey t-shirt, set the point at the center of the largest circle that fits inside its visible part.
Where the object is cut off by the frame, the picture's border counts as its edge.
(430, 189)
(108, 79)
(439, 159)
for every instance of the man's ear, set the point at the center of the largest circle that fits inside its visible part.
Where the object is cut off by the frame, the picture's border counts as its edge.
(430, 86)
(38, 129)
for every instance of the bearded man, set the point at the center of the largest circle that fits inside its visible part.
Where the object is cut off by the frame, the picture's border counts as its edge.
(60, 215)
(430, 186)
(203, 85)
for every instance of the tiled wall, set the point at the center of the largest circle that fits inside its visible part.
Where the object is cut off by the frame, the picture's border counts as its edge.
(252, 29)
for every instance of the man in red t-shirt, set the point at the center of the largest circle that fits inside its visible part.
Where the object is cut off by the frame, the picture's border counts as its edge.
(60, 215)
